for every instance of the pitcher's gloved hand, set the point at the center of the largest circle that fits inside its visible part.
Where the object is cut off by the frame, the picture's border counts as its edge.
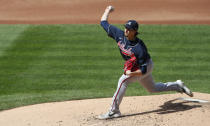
(131, 65)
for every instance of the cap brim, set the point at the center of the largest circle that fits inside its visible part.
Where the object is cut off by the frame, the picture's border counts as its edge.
(130, 28)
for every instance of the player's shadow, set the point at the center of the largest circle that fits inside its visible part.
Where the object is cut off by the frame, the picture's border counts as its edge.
(168, 107)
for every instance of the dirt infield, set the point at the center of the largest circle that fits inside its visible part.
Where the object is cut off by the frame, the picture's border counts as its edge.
(159, 110)
(90, 11)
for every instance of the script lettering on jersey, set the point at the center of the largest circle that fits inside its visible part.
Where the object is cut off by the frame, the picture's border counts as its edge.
(125, 51)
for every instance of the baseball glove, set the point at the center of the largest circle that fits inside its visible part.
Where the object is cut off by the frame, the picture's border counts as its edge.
(131, 65)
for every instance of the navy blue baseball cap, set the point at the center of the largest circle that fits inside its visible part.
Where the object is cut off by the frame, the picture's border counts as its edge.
(132, 24)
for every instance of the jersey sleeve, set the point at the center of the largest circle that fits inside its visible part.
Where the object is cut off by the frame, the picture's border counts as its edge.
(141, 61)
(111, 30)
(142, 56)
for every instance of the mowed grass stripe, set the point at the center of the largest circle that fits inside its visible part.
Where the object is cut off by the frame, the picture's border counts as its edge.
(7, 37)
(33, 77)
(63, 62)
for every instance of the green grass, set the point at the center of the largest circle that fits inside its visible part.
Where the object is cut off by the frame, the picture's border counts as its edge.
(45, 63)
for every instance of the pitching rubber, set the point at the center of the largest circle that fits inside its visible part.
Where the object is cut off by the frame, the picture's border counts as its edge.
(193, 100)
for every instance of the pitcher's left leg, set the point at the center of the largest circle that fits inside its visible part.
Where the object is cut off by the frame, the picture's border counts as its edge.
(120, 92)
(118, 96)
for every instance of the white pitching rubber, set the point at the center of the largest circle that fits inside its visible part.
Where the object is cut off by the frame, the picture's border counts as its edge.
(193, 100)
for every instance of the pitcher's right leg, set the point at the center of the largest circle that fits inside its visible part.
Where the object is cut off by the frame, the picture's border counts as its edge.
(148, 82)
(178, 86)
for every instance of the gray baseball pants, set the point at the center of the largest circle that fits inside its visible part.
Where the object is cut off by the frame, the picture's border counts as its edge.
(145, 80)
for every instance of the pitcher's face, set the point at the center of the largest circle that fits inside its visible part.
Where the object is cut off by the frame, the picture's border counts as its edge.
(129, 33)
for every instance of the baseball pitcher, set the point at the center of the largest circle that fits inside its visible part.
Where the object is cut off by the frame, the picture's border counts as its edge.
(138, 64)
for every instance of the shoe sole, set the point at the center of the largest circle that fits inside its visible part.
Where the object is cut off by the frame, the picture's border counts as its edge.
(104, 117)
(187, 91)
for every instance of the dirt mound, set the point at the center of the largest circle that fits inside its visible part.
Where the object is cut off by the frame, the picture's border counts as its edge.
(153, 110)
(90, 11)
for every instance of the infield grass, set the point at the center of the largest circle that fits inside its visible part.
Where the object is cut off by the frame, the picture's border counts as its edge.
(45, 63)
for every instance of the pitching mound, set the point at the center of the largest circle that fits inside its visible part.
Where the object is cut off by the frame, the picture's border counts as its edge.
(154, 110)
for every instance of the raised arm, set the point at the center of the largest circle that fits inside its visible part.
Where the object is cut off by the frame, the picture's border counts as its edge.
(111, 30)
(107, 11)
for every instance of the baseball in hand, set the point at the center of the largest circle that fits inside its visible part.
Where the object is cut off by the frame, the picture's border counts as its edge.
(110, 8)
